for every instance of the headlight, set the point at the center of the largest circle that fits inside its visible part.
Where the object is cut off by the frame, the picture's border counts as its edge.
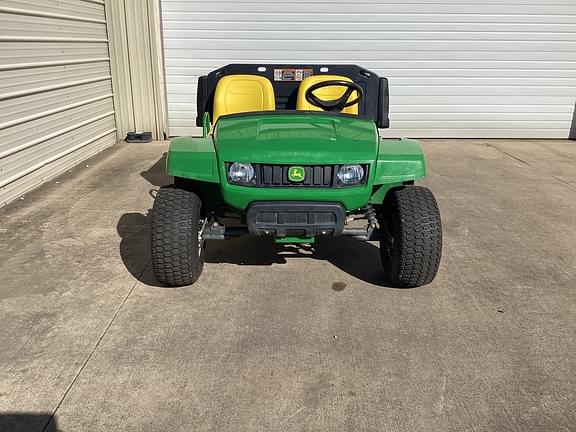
(350, 174)
(241, 173)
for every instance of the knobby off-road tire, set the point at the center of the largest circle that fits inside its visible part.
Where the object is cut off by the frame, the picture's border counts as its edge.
(177, 252)
(411, 253)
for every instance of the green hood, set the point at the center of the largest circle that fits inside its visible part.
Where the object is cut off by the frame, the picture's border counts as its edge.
(305, 138)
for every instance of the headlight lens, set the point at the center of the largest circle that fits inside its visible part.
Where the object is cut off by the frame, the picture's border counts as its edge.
(241, 173)
(350, 174)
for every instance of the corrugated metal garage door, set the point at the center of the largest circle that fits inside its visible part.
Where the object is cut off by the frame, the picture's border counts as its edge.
(457, 68)
(56, 105)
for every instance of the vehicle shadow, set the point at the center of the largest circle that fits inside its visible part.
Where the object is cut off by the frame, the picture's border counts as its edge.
(156, 174)
(27, 422)
(359, 259)
(134, 229)
(134, 232)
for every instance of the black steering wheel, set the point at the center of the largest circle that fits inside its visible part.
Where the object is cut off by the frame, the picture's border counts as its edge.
(334, 104)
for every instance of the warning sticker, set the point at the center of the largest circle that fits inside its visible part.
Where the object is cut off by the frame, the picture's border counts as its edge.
(292, 74)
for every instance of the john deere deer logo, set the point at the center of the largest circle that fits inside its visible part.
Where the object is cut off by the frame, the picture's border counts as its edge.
(296, 174)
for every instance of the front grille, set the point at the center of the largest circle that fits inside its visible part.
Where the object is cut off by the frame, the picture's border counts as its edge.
(317, 176)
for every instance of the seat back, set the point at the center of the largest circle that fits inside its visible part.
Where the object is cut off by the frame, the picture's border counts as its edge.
(326, 93)
(242, 93)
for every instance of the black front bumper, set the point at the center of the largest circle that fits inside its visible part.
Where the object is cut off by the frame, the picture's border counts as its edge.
(295, 218)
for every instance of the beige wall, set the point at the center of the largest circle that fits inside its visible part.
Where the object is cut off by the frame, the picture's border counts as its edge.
(136, 63)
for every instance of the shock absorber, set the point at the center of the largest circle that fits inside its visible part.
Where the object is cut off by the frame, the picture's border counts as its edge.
(370, 215)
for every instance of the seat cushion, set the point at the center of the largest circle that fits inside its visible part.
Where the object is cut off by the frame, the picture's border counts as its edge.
(326, 93)
(242, 93)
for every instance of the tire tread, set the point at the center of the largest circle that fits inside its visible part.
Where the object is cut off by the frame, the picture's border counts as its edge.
(418, 237)
(175, 257)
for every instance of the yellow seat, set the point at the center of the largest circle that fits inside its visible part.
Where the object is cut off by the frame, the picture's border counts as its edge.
(326, 93)
(242, 93)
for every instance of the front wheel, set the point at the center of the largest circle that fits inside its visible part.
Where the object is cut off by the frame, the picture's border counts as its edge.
(412, 244)
(177, 244)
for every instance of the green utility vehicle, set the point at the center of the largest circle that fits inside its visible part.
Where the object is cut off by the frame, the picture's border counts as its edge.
(293, 152)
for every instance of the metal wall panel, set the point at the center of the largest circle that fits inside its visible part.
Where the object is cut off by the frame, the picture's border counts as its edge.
(457, 68)
(56, 105)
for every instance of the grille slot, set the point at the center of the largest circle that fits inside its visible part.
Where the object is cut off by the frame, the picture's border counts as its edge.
(277, 176)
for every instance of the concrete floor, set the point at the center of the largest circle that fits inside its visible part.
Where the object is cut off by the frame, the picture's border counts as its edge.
(284, 339)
